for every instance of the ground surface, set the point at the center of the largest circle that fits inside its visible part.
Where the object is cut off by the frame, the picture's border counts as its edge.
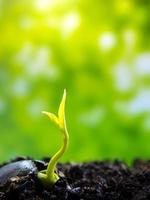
(103, 180)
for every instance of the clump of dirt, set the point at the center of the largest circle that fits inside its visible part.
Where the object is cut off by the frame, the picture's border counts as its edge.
(99, 180)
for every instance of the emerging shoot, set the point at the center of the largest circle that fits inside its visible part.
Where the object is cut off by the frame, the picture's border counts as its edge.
(50, 176)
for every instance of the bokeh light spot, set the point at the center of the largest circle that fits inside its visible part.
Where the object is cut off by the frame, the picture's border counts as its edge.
(70, 23)
(107, 41)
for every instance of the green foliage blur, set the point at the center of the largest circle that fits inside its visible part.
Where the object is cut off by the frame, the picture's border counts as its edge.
(100, 52)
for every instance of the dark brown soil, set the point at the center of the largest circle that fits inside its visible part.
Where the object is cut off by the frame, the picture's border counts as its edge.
(101, 180)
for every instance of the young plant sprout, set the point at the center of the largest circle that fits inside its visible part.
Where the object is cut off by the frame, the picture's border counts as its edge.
(49, 176)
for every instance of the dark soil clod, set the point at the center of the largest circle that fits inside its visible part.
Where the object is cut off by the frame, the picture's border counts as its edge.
(85, 181)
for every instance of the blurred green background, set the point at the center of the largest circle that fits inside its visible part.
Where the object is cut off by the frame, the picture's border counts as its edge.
(100, 52)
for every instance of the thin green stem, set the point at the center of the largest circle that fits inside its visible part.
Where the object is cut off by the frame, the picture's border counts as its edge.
(52, 164)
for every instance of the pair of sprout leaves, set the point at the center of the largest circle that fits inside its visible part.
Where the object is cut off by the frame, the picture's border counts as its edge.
(49, 176)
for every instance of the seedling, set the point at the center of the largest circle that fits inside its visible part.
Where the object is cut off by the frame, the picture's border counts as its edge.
(49, 176)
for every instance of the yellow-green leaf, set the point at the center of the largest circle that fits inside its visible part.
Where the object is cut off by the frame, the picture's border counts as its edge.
(52, 117)
(61, 111)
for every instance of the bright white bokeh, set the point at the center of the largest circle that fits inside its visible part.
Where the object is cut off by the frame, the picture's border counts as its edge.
(123, 76)
(43, 5)
(142, 64)
(140, 103)
(36, 62)
(69, 24)
(107, 41)
(19, 87)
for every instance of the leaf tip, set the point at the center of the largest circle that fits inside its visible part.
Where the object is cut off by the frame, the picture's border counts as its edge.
(44, 112)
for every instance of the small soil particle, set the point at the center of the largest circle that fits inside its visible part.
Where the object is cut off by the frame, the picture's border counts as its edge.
(99, 180)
